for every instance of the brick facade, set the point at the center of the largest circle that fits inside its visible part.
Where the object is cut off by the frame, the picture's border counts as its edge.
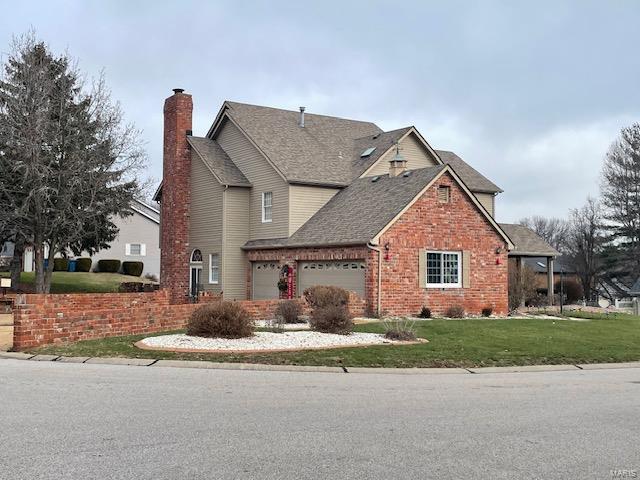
(176, 197)
(428, 224)
(454, 226)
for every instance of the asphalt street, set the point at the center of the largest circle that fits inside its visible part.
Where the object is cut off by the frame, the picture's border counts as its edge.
(70, 421)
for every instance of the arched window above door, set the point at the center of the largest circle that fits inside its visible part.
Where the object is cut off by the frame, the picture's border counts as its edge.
(196, 256)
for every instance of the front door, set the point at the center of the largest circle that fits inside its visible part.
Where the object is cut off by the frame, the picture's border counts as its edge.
(194, 281)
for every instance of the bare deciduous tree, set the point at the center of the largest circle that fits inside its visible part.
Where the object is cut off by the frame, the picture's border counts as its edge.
(621, 193)
(555, 231)
(68, 163)
(586, 239)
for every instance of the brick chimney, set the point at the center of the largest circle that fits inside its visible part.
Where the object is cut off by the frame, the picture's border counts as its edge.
(176, 196)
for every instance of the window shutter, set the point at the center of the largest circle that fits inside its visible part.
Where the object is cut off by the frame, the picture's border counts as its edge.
(466, 269)
(127, 249)
(422, 268)
(143, 249)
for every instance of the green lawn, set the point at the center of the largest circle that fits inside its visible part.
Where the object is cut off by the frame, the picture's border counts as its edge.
(452, 343)
(81, 282)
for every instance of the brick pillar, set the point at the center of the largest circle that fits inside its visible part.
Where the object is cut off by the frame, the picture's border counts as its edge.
(176, 197)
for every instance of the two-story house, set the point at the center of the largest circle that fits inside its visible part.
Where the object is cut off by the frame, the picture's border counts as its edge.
(271, 201)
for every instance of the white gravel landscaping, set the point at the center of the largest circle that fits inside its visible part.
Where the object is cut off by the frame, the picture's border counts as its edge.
(264, 341)
(285, 326)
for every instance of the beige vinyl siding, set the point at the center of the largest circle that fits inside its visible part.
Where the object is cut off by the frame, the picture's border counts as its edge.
(263, 177)
(488, 201)
(205, 227)
(236, 234)
(413, 152)
(304, 202)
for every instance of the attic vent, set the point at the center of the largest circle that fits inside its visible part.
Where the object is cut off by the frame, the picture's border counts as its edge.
(406, 174)
(375, 179)
(444, 194)
(367, 152)
(376, 136)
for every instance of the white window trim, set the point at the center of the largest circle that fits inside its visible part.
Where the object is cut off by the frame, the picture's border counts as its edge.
(143, 250)
(211, 280)
(458, 284)
(264, 219)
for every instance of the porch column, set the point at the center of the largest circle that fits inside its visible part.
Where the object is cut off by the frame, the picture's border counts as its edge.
(550, 280)
(519, 271)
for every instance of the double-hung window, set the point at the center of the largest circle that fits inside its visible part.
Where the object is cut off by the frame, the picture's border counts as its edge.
(444, 269)
(214, 268)
(267, 206)
(135, 249)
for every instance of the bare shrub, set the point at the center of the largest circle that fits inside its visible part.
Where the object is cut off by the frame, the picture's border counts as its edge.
(289, 311)
(399, 328)
(321, 296)
(454, 311)
(572, 289)
(331, 319)
(223, 319)
(522, 286)
(425, 312)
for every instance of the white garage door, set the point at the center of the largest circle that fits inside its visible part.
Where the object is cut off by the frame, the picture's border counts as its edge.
(346, 274)
(265, 280)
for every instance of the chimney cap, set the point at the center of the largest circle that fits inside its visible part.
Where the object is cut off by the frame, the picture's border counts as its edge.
(178, 90)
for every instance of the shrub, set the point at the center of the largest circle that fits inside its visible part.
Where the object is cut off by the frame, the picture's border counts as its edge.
(132, 268)
(223, 319)
(131, 287)
(331, 319)
(108, 266)
(572, 290)
(151, 277)
(521, 286)
(83, 265)
(454, 311)
(425, 313)
(399, 328)
(324, 296)
(487, 311)
(538, 300)
(289, 311)
(60, 264)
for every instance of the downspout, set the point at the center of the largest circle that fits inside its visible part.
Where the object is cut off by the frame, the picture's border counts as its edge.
(376, 248)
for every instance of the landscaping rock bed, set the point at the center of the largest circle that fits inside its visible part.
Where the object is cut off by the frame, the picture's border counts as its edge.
(264, 342)
(285, 326)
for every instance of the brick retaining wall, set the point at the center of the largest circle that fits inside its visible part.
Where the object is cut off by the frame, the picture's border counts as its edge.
(42, 319)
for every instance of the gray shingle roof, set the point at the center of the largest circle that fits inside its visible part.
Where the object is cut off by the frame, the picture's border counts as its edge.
(527, 242)
(381, 141)
(359, 212)
(318, 153)
(469, 175)
(561, 264)
(327, 150)
(635, 289)
(218, 161)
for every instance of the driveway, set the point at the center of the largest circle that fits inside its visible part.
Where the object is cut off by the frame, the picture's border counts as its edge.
(69, 421)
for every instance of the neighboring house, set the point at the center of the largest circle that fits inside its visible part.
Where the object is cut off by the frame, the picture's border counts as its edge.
(137, 240)
(617, 289)
(271, 195)
(562, 266)
(6, 254)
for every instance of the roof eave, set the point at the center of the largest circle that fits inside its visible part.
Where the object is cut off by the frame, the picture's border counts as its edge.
(305, 245)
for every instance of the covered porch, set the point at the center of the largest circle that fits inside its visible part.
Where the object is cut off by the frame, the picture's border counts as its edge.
(528, 244)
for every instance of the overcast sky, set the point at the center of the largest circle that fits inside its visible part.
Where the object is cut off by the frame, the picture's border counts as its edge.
(529, 93)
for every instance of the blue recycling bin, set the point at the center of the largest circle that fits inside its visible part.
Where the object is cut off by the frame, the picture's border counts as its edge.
(72, 265)
(46, 263)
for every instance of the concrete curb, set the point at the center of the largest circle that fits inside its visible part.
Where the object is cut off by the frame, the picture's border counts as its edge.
(147, 362)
